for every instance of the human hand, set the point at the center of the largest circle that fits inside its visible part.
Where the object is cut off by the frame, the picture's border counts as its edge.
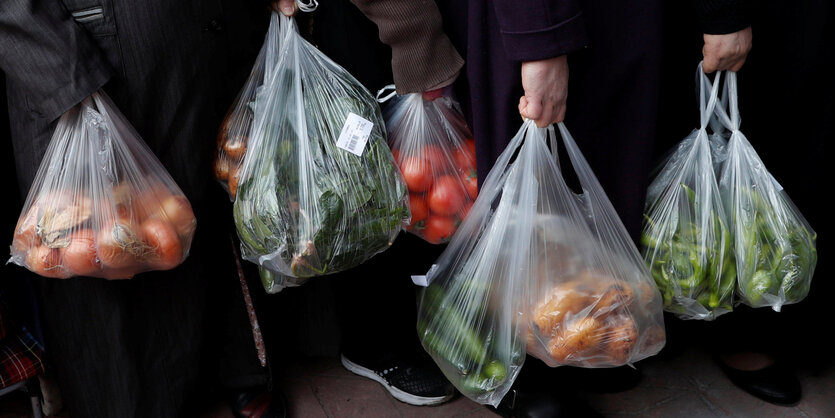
(440, 89)
(546, 89)
(726, 52)
(286, 7)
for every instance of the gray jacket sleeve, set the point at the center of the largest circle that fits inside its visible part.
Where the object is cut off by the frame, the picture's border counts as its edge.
(43, 51)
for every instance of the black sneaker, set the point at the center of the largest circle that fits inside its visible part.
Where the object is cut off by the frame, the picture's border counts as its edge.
(411, 381)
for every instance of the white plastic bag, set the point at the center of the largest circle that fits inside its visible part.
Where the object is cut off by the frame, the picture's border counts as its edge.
(234, 132)
(686, 238)
(537, 268)
(435, 150)
(774, 245)
(318, 190)
(101, 204)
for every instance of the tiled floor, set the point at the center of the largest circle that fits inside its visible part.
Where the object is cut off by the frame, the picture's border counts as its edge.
(683, 384)
(687, 384)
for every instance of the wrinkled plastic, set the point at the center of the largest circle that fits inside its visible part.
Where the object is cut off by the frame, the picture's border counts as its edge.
(686, 239)
(774, 245)
(305, 207)
(536, 268)
(435, 150)
(101, 204)
(234, 132)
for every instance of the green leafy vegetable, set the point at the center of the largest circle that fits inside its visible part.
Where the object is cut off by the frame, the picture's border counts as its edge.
(304, 206)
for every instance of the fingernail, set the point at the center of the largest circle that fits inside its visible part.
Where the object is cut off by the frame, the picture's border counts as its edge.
(287, 10)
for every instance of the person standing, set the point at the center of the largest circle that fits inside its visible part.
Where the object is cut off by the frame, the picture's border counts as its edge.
(380, 43)
(518, 56)
(162, 344)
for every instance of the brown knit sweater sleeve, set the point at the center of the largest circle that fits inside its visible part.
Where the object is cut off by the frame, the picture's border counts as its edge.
(422, 57)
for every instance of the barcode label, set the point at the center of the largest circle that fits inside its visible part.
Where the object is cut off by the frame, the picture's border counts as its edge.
(354, 134)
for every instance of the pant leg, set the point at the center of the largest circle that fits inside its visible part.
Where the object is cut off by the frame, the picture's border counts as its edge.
(377, 301)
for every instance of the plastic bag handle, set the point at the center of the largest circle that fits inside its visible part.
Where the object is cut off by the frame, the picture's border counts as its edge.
(706, 85)
(729, 95)
(307, 5)
(388, 96)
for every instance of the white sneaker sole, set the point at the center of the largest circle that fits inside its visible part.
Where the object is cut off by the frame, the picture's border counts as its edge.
(397, 393)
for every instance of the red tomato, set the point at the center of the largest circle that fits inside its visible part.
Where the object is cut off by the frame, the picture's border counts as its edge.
(417, 173)
(437, 157)
(464, 159)
(470, 143)
(439, 229)
(417, 204)
(470, 183)
(396, 153)
(447, 196)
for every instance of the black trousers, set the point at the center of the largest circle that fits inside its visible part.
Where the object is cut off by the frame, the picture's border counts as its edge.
(786, 113)
(163, 344)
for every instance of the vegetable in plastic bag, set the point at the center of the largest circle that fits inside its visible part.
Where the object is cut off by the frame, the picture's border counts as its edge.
(101, 204)
(537, 268)
(773, 243)
(319, 191)
(234, 132)
(435, 151)
(686, 239)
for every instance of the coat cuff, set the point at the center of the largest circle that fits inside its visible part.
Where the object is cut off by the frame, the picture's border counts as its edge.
(425, 69)
(719, 17)
(560, 39)
(80, 86)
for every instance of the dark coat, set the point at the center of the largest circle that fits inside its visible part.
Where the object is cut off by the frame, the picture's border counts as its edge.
(147, 346)
(613, 52)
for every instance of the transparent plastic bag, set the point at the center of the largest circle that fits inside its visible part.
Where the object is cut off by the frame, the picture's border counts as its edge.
(773, 243)
(319, 190)
(536, 268)
(233, 135)
(101, 204)
(686, 238)
(435, 150)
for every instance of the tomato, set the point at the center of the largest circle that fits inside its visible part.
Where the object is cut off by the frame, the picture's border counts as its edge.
(470, 144)
(80, 257)
(396, 154)
(418, 174)
(164, 243)
(470, 183)
(417, 205)
(439, 229)
(447, 196)
(464, 159)
(437, 157)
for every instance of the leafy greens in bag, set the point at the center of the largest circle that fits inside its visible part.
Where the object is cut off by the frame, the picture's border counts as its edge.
(319, 191)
